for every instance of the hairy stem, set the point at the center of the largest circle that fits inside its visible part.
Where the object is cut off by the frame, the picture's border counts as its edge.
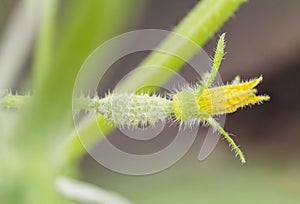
(208, 79)
(9, 100)
(231, 142)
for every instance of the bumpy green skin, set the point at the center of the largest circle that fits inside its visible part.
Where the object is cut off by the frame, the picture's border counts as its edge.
(133, 110)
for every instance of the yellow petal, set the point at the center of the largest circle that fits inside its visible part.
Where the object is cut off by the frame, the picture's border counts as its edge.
(228, 98)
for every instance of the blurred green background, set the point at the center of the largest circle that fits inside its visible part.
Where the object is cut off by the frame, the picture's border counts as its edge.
(43, 45)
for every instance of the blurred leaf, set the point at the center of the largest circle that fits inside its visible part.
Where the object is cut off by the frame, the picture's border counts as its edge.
(17, 40)
(61, 49)
(87, 193)
(85, 25)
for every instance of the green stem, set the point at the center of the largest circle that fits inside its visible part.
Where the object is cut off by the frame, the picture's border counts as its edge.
(198, 27)
(45, 42)
(231, 142)
(8, 100)
(208, 80)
